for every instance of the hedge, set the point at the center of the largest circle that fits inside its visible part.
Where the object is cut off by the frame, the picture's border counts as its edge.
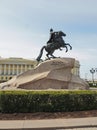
(47, 101)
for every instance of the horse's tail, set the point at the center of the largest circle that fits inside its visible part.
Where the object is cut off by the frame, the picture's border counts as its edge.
(40, 55)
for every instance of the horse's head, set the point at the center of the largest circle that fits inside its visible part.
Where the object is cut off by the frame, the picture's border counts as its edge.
(61, 33)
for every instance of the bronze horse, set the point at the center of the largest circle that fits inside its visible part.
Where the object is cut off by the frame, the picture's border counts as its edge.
(57, 44)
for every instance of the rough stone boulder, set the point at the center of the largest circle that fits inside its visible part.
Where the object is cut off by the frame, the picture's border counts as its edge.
(50, 74)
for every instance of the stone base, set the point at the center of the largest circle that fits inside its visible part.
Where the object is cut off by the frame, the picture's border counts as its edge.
(50, 74)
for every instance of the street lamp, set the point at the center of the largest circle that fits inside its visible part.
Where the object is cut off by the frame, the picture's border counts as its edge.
(96, 69)
(92, 71)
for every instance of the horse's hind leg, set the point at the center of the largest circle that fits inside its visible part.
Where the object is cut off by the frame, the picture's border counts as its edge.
(52, 54)
(48, 56)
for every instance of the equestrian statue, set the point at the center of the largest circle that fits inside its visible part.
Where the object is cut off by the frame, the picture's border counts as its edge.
(55, 42)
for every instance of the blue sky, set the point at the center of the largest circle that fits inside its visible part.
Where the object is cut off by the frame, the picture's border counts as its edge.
(25, 24)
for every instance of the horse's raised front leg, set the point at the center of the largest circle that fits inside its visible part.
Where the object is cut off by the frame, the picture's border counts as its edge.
(66, 48)
(69, 45)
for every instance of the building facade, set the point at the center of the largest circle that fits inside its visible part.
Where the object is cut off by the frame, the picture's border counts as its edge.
(76, 69)
(10, 67)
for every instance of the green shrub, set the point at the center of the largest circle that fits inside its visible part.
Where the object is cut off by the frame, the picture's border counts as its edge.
(94, 85)
(47, 101)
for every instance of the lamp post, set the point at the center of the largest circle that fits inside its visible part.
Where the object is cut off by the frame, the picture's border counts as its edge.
(92, 71)
(96, 69)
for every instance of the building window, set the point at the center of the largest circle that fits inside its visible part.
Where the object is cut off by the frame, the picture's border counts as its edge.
(10, 77)
(31, 66)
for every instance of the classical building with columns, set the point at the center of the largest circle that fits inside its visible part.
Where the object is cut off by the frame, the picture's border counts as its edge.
(76, 69)
(10, 67)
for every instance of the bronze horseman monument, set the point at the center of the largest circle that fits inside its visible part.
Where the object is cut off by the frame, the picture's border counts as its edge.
(55, 42)
(52, 73)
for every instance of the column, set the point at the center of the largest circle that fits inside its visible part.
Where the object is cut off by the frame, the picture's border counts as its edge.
(21, 68)
(5, 69)
(12, 69)
(25, 67)
(17, 69)
(0, 69)
(9, 69)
